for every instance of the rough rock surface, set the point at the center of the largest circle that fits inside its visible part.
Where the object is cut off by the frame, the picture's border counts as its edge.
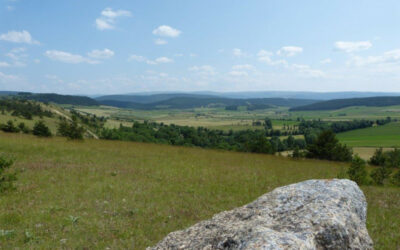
(314, 214)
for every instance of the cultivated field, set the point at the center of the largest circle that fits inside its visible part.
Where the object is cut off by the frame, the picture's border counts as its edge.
(99, 194)
(381, 136)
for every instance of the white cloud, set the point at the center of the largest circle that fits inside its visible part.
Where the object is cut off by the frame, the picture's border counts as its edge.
(164, 60)
(266, 57)
(238, 52)
(238, 73)
(108, 18)
(166, 31)
(109, 13)
(350, 47)
(4, 64)
(101, 54)
(326, 61)
(137, 58)
(10, 8)
(102, 24)
(204, 70)
(306, 70)
(18, 37)
(18, 57)
(67, 57)
(387, 58)
(243, 67)
(160, 42)
(289, 51)
(7, 78)
(158, 60)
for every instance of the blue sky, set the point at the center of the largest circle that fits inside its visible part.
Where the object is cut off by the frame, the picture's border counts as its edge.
(120, 46)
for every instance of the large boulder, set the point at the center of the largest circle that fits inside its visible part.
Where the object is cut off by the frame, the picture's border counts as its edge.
(314, 214)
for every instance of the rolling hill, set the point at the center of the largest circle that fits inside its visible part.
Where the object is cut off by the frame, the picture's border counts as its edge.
(148, 97)
(344, 103)
(59, 99)
(185, 102)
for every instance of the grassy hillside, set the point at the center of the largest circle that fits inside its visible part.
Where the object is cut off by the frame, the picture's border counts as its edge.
(343, 103)
(381, 136)
(99, 194)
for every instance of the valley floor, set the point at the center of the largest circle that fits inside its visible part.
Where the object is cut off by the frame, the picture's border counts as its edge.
(98, 194)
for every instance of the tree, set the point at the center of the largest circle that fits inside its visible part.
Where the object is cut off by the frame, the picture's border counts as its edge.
(71, 129)
(357, 171)
(267, 124)
(378, 159)
(40, 129)
(380, 174)
(327, 147)
(7, 179)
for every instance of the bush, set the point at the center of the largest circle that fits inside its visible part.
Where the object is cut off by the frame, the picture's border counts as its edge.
(40, 129)
(327, 147)
(378, 159)
(6, 179)
(396, 178)
(380, 174)
(389, 158)
(22, 127)
(357, 171)
(71, 129)
(9, 127)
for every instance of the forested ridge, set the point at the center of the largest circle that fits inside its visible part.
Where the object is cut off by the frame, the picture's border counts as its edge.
(344, 103)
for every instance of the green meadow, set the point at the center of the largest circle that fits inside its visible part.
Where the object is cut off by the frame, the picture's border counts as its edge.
(382, 136)
(112, 194)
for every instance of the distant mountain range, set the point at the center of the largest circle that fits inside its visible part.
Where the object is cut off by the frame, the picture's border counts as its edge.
(190, 101)
(344, 103)
(253, 100)
(147, 97)
(51, 97)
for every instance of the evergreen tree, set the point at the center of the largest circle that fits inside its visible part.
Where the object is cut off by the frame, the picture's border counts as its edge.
(40, 129)
(357, 171)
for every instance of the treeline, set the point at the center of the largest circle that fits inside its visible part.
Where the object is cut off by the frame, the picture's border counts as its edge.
(343, 103)
(336, 127)
(23, 108)
(91, 120)
(243, 141)
(59, 99)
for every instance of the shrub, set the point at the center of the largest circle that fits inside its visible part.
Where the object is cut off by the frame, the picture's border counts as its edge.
(40, 129)
(378, 159)
(396, 178)
(357, 171)
(389, 158)
(70, 129)
(7, 179)
(380, 174)
(22, 127)
(327, 147)
(9, 127)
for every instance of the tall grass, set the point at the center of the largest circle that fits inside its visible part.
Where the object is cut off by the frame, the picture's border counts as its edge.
(99, 194)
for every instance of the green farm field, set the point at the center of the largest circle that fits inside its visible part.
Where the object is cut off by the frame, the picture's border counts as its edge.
(382, 136)
(213, 118)
(98, 194)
